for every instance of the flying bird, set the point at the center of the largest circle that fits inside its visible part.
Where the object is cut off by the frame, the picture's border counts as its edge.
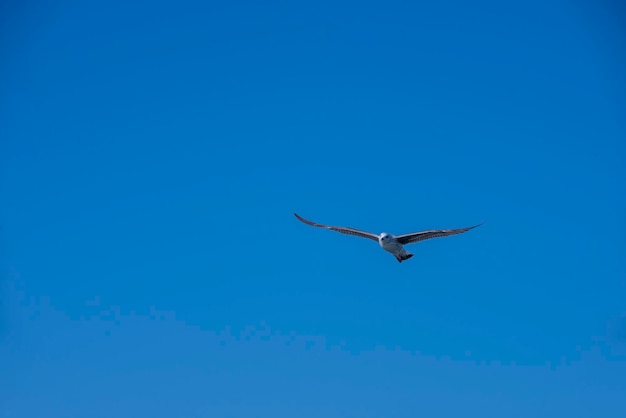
(392, 243)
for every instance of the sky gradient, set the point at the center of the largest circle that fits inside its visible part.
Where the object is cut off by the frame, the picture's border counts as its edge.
(152, 155)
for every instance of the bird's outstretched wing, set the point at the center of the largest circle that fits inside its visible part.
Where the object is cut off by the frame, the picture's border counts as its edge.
(343, 230)
(433, 233)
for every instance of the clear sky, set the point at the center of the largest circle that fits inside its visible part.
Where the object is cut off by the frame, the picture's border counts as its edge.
(152, 155)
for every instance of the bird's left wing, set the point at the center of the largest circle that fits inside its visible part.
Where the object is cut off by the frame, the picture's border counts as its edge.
(342, 229)
(433, 233)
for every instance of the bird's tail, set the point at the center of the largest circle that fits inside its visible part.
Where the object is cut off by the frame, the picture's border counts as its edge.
(403, 257)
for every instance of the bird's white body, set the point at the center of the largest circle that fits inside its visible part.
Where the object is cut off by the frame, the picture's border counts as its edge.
(389, 243)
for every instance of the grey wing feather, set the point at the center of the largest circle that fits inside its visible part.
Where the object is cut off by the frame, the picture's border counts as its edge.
(341, 229)
(434, 233)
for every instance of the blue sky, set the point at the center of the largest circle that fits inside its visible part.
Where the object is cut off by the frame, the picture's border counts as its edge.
(153, 153)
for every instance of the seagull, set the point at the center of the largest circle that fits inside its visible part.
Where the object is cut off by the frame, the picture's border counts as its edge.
(392, 243)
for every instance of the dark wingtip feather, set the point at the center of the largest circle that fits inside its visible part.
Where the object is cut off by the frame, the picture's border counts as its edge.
(306, 221)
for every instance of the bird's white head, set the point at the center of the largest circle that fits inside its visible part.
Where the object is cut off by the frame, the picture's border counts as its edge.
(384, 236)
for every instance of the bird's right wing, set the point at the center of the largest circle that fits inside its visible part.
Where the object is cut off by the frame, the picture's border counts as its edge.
(435, 233)
(343, 230)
